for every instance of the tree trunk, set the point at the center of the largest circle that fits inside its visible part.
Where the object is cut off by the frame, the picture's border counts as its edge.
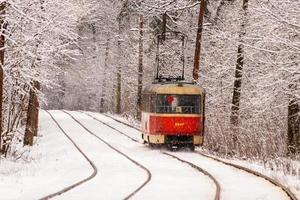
(239, 71)
(119, 71)
(62, 92)
(32, 115)
(2, 44)
(164, 26)
(118, 106)
(140, 68)
(293, 131)
(102, 100)
(198, 42)
(219, 8)
(36, 108)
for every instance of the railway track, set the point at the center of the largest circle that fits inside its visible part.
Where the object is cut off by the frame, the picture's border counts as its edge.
(217, 184)
(66, 189)
(95, 170)
(149, 175)
(201, 170)
(272, 181)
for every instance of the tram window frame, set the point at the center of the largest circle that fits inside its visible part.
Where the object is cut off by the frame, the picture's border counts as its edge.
(147, 105)
(173, 109)
(152, 101)
(144, 102)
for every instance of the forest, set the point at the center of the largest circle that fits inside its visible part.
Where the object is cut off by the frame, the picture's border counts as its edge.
(96, 55)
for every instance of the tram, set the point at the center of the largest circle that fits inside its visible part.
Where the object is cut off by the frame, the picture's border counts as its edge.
(172, 110)
(173, 114)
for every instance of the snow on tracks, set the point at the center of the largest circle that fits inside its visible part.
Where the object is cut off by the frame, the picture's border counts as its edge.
(117, 176)
(263, 187)
(51, 164)
(121, 153)
(83, 154)
(274, 182)
(211, 186)
(218, 188)
(236, 183)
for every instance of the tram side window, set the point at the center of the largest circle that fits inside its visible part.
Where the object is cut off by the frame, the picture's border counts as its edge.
(189, 104)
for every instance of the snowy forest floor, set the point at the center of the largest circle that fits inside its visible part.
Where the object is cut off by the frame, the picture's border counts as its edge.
(52, 163)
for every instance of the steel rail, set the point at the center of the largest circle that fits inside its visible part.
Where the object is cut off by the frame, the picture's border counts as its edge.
(290, 194)
(149, 175)
(218, 187)
(106, 115)
(206, 173)
(124, 134)
(66, 189)
(250, 171)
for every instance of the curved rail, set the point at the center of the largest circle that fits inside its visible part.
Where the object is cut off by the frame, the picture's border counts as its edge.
(119, 121)
(218, 188)
(149, 176)
(66, 189)
(131, 138)
(274, 182)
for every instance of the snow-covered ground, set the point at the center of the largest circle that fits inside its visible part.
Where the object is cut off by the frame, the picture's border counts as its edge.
(290, 181)
(226, 175)
(54, 163)
(170, 179)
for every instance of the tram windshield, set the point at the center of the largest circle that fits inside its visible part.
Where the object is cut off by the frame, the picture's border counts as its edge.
(188, 104)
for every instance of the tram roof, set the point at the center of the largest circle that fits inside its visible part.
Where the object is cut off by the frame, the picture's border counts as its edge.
(174, 88)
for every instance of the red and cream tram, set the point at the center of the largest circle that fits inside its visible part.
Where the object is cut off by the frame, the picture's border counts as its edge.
(173, 114)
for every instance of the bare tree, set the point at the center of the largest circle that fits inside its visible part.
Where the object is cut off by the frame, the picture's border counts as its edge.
(32, 115)
(2, 44)
(140, 67)
(239, 70)
(102, 100)
(30, 55)
(198, 42)
(293, 131)
(119, 72)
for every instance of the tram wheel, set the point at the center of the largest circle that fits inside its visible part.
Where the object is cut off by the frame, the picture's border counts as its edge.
(191, 147)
